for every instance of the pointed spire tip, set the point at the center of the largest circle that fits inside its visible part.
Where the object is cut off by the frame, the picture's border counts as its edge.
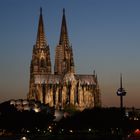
(63, 10)
(40, 10)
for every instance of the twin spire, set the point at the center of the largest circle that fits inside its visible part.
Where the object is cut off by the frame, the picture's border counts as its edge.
(41, 41)
(64, 62)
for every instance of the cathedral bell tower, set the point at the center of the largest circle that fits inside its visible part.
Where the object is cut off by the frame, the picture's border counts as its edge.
(40, 63)
(64, 62)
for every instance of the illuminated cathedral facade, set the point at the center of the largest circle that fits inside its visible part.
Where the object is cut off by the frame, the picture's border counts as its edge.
(63, 87)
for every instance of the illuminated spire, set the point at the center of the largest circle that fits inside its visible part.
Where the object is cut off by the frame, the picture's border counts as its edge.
(64, 33)
(41, 61)
(40, 42)
(64, 61)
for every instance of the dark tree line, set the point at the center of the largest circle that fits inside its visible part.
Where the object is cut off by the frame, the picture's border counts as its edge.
(12, 119)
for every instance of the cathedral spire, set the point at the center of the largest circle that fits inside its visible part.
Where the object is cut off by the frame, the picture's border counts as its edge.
(40, 41)
(64, 62)
(41, 62)
(64, 33)
(41, 10)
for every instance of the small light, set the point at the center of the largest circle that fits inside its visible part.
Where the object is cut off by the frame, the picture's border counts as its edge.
(71, 131)
(135, 118)
(36, 110)
(23, 138)
(137, 131)
(89, 129)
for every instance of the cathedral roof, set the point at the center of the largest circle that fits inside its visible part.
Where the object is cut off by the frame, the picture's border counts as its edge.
(86, 79)
(48, 79)
(56, 79)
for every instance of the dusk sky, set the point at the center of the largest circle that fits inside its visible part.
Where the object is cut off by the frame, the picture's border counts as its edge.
(105, 35)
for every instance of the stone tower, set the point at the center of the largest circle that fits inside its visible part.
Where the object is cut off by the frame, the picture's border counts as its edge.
(64, 62)
(40, 63)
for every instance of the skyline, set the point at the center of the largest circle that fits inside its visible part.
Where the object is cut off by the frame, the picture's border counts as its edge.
(105, 36)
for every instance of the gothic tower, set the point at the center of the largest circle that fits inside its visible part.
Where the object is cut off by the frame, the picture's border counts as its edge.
(40, 63)
(64, 62)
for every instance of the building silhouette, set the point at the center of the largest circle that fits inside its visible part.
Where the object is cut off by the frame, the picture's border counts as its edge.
(64, 87)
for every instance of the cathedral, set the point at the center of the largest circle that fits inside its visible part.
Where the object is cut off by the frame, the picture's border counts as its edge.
(63, 87)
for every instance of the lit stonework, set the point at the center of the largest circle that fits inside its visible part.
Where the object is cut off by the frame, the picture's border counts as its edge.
(63, 55)
(64, 87)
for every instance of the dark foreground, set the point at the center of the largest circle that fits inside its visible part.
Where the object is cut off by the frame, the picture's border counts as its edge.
(62, 137)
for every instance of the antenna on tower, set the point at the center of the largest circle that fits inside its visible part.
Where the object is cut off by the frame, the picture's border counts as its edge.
(121, 81)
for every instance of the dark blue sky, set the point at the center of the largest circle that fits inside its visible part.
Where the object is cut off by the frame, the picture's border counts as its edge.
(105, 35)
